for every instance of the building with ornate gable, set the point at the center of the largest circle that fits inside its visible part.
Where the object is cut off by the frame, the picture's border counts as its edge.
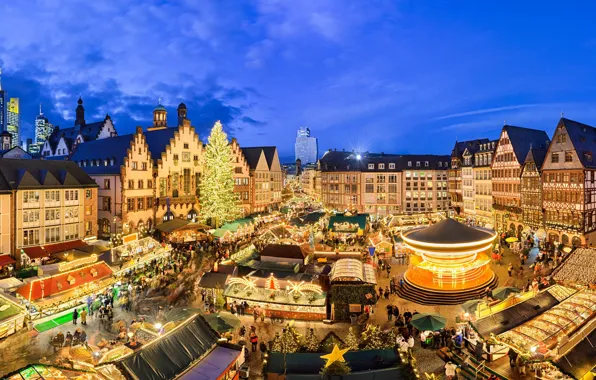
(154, 175)
(568, 189)
(63, 141)
(510, 154)
(455, 181)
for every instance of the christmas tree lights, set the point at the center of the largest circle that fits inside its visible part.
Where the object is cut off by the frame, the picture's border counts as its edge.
(311, 342)
(351, 340)
(218, 201)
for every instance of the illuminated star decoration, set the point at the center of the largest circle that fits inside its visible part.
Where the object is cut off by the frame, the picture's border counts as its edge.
(336, 355)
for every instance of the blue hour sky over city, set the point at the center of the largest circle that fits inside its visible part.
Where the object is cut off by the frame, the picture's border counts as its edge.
(391, 76)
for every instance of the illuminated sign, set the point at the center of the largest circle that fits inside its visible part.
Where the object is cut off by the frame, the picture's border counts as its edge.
(130, 238)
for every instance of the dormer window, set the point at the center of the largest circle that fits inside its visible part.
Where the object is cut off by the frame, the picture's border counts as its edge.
(111, 161)
(409, 164)
(446, 164)
(426, 163)
(371, 166)
(588, 156)
(417, 164)
(381, 166)
(392, 166)
(440, 164)
(105, 162)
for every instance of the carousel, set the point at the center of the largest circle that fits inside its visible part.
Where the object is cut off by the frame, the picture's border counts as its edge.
(450, 263)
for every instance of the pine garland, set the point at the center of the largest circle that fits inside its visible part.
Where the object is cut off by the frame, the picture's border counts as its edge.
(311, 342)
(218, 201)
(351, 341)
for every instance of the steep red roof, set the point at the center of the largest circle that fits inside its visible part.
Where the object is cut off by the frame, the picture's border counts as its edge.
(59, 283)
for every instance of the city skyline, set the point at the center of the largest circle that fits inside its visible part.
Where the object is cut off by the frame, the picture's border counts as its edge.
(366, 78)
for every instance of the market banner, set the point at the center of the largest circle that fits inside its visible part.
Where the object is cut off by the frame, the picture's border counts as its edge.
(371, 250)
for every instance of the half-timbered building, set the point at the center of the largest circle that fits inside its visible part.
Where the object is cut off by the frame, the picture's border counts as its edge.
(510, 154)
(531, 190)
(568, 176)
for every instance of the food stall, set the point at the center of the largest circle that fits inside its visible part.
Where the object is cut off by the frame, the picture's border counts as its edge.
(68, 288)
(352, 288)
(541, 334)
(12, 316)
(281, 294)
(383, 244)
(182, 231)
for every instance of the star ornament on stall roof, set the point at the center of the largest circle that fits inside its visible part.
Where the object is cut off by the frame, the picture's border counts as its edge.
(336, 355)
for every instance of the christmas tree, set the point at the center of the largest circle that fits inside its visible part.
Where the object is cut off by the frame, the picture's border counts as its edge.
(291, 341)
(351, 340)
(218, 201)
(311, 342)
(336, 369)
(372, 337)
(276, 345)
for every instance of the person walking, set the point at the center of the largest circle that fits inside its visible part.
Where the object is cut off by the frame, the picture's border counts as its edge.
(389, 312)
(84, 316)
(75, 316)
(510, 269)
(254, 341)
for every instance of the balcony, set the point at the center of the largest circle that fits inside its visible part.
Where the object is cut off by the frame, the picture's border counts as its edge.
(185, 199)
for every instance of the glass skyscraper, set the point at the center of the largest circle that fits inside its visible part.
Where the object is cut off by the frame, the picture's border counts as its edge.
(43, 130)
(306, 147)
(13, 121)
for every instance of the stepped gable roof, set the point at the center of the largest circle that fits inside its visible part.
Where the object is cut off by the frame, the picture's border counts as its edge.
(158, 139)
(36, 174)
(449, 231)
(583, 137)
(471, 145)
(112, 148)
(522, 138)
(536, 156)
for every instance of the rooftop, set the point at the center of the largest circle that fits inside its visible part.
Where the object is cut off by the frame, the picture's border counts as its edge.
(449, 231)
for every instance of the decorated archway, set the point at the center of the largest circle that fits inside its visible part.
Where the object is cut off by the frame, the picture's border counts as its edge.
(140, 225)
(553, 237)
(565, 239)
(512, 227)
(520, 228)
(576, 241)
(149, 224)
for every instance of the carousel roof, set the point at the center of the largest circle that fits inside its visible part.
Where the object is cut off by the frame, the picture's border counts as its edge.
(449, 231)
(353, 270)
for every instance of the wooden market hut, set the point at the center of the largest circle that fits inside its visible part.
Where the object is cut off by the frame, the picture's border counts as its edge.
(352, 288)
(348, 223)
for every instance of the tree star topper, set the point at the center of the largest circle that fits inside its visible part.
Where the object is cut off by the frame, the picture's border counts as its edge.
(335, 356)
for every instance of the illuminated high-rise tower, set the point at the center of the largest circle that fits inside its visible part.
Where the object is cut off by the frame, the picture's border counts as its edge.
(43, 130)
(306, 147)
(13, 121)
(2, 105)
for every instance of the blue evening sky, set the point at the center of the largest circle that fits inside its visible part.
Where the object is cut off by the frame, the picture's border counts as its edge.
(392, 76)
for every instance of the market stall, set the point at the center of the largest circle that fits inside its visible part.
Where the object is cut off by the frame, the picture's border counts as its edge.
(382, 244)
(12, 316)
(182, 231)
(352, 288)
(541, 334)
(136, 253)
(282, 294)
(75, 280)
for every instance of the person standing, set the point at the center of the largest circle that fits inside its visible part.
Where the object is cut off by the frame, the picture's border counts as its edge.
(510, 269)
(389, 312)
(84, 316)
(75, 316)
